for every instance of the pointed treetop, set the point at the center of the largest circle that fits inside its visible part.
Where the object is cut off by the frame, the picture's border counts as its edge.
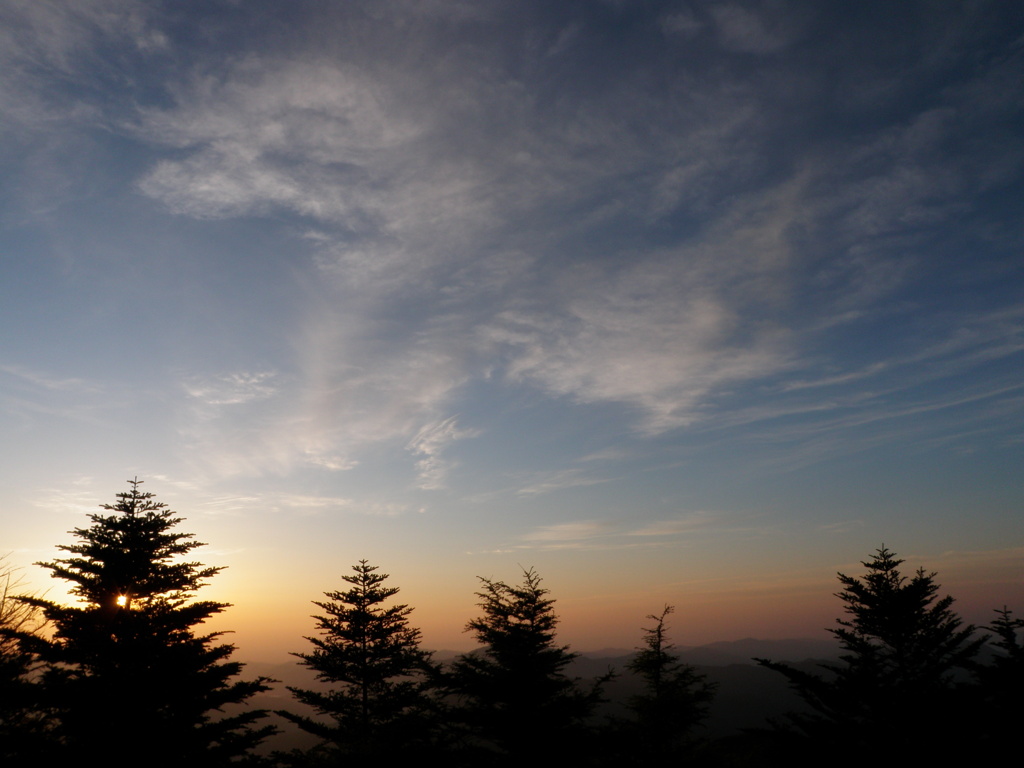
(132, 553)
(655, 638)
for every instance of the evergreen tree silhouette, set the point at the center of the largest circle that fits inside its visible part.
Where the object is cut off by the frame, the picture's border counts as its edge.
(674, 702)
(897, 686)
(514, 697)
(131, 681)
(379, 678)
(1001, 681)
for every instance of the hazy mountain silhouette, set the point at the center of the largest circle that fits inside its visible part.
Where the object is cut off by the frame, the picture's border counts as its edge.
(746, 694)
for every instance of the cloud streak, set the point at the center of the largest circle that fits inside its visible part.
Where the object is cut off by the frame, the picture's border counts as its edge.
(429, 444)
(233, 388)
(681, 236)
(335, 143)
(620, 534)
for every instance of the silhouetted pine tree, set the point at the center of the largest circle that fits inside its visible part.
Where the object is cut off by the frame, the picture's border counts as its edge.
(1001, 681)
(896, 691)
(130, 680)
(674, 702)
(379, 678)
(515, 699)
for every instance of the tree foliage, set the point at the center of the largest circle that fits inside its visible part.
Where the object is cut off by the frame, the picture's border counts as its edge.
(379, 678)
(1001, 680)
(675, 699)
(514, 691)
(896, 685)
(131, 681)
(24, 722)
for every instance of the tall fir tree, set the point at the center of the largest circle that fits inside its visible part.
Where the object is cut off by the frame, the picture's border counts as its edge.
(131, 681)
(674, 702)
(515, 699)
(378, 695)
(896, 688)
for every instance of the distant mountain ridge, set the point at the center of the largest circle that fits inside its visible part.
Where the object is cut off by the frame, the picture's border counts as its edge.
(740, 651)
(720, 652)
(747, 694)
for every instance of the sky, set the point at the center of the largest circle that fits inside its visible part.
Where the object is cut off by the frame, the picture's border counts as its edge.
(681, 302)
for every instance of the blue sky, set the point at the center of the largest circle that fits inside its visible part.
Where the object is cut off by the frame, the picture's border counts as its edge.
(676, 301)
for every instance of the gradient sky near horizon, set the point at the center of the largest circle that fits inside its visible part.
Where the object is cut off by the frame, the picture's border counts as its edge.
(684, 302)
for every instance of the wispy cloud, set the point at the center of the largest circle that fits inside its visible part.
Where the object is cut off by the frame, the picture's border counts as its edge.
(678, 526)
(353, 388)
(430, 443)
(658, 244)
(576, 531)
(233, 388)
(621, 534)
(306, 136)
(27, 392)
(77, 495)
(46, 381)
(923, 388)
(299, 504)
(831, 381)
(608, 454)
(398, 211)
(549, 482)
(50, 34)
(752, 29)
(843, 526)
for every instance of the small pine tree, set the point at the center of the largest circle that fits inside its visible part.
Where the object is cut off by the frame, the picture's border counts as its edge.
(380, 678)
(515, 699)
(896, 686)
(130, 680)
(1001, 680)
(675, 700)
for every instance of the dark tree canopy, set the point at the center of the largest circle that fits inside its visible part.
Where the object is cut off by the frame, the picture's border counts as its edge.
(896, 686)
(675, 699)
(24, 723)
(516, 699)
(378, 678)
(1001, 682)
(130, 680)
